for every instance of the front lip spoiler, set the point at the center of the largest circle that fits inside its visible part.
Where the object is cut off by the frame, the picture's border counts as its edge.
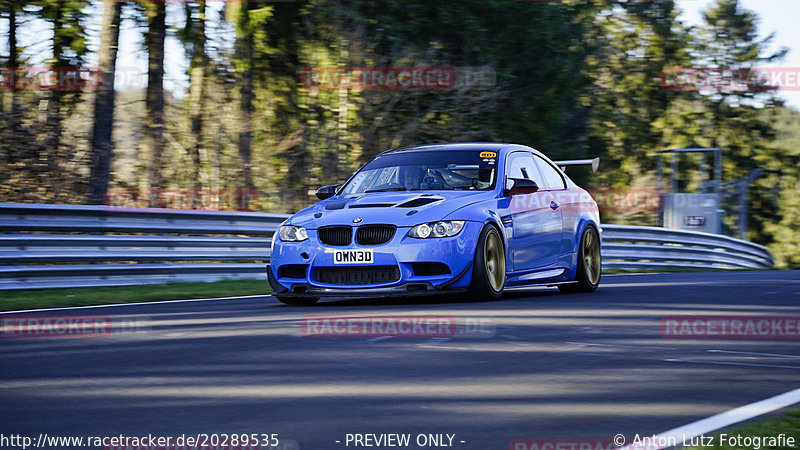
(407, 289)
(277, 287)
(455, 278)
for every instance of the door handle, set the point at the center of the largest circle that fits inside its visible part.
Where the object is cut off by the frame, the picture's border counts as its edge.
(554, 206)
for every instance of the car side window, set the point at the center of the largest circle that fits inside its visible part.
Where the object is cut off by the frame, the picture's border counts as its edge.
(521, 165)
(552, 178)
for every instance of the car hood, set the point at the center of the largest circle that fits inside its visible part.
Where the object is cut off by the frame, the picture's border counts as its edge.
(397, 208)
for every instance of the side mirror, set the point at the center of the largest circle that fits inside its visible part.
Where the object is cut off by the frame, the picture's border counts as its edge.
(326, 191)
(520, 186)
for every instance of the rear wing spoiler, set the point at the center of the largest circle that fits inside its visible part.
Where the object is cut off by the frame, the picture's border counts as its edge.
(595, 163)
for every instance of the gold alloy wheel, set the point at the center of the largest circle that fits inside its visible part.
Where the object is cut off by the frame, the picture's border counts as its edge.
(494, 260)
(591, 256)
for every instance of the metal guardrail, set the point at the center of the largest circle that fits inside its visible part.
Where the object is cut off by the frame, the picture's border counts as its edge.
(75, 246)
(626, 246)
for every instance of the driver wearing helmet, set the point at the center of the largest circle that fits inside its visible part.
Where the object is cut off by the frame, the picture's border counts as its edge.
(411, 177)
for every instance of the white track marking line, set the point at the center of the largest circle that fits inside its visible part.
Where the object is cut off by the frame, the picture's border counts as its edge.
(435, 340)
(774, 355)
(722, 420)
(726, 363)
(619, 345)
(63, 308)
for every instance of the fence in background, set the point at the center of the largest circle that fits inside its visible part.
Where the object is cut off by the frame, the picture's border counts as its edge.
(75, 246)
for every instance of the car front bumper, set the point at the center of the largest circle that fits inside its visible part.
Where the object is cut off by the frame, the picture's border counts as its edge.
(401, 252)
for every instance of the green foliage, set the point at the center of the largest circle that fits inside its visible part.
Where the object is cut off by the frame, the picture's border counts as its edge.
(769, 428)
(574, 79)
(67, 18)
(40, 159)
(784, 230)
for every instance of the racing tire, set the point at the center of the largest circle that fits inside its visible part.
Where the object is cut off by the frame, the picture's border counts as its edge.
(297, 301)
(489, 268)
(589, 264)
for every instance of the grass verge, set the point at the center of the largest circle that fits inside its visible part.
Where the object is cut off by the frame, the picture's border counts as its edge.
(787, 424)
(12, 300)
(676, 270)
(51, 298)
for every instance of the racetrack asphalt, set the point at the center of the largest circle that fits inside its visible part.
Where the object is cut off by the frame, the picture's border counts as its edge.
(535, 364)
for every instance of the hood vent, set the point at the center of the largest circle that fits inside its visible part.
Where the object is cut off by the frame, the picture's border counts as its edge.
(417, 202)
(372, 205)
(339, 204)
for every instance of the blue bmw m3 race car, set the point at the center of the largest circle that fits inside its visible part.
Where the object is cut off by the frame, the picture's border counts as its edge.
(471, 217)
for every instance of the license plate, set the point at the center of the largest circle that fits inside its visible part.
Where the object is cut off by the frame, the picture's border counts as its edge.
(352, 257)
(694, 221)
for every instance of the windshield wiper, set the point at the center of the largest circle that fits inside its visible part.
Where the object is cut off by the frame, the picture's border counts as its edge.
(386, 190)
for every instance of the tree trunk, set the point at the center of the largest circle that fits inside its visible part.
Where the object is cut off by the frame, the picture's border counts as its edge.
(55, 96)
(197, 90)
(51, 153)
(154, 101)
(104, 104)
(12, 122)
(13, 57)
(244, 50)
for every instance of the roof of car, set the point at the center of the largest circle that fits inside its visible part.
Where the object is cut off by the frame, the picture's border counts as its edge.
(450, 146)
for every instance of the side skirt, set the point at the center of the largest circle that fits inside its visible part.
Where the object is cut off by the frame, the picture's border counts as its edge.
(537, 277)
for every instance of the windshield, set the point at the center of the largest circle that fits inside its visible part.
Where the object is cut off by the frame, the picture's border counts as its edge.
(434, 170)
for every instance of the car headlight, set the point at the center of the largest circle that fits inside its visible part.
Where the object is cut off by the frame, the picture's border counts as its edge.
(444, 228)
(291, 233)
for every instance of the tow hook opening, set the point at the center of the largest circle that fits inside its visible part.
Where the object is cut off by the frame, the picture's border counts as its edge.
(417, 287)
